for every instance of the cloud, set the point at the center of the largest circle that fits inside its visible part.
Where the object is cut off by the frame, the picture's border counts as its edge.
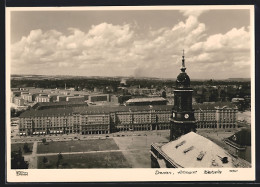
(193, 12)
(107, 49)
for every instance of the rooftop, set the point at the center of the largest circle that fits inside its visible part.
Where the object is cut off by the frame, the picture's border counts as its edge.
(212, 106)
(149, 99)
(38, 106)
(91, 110)
(242, 138)
(40, 109)
(194, 151)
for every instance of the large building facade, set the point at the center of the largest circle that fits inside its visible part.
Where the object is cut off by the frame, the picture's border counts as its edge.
(80, 118)
(95, 119)
(220, 115)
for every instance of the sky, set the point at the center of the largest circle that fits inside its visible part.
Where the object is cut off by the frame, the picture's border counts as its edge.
(139, 43)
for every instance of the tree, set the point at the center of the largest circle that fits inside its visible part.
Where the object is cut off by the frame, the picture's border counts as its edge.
(13, 112)
(59, 159)
(164, 94)
(17, 160)
(26, 148)
(44, 140)
(60, 156)
(58, 163)
(44, 160)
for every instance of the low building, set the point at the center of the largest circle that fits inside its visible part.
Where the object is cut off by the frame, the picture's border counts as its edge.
(85, 96)
(27, 97)
(114, 99)
(76, 98)
(239, 144)
(53, 97)
(19, 101)
(146, 101)
(43, 99)
(61, 98)
(193, 151)
(98, 98)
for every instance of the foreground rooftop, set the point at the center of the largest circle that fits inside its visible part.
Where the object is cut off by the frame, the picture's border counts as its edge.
(195, 151)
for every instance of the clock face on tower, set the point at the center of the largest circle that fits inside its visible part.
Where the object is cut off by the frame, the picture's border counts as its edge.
(186, 116)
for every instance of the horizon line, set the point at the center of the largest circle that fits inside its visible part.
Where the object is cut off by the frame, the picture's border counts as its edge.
(119, 76)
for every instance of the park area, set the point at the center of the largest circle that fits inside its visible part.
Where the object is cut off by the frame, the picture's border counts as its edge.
(89, 160)
(77, 146)
(120, 151)
(16, 146)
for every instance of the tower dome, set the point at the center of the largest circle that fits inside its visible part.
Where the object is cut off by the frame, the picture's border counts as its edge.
(183, 80)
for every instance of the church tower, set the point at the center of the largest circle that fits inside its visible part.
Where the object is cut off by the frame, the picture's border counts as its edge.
(182, 119)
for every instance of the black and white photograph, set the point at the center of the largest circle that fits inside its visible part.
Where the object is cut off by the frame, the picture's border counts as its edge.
(138, 93)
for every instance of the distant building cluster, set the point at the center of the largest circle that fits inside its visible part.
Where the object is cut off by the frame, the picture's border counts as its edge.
(77, 117)
(142, 91)
(31, 95)
(237, 94)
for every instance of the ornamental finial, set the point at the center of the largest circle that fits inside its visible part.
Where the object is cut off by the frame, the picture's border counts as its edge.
(183, 62)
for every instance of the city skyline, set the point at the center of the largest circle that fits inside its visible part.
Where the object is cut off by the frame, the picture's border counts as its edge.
(133, 43)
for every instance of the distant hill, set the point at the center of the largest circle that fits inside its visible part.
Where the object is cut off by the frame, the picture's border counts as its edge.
(62, 77)
(239, 79)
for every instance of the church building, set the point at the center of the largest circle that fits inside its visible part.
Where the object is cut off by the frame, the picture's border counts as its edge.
(186, 149)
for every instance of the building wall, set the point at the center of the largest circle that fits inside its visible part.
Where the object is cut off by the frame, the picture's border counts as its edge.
(19, 101)
(220, 118)
(61, 98)
(42, 99)
(79, 98)
(157, 157)
(226, 118)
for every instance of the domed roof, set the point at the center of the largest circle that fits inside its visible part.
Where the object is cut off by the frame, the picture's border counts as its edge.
(183, 80)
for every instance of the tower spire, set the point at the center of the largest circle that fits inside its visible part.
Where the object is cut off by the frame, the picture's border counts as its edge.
(183, 68)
